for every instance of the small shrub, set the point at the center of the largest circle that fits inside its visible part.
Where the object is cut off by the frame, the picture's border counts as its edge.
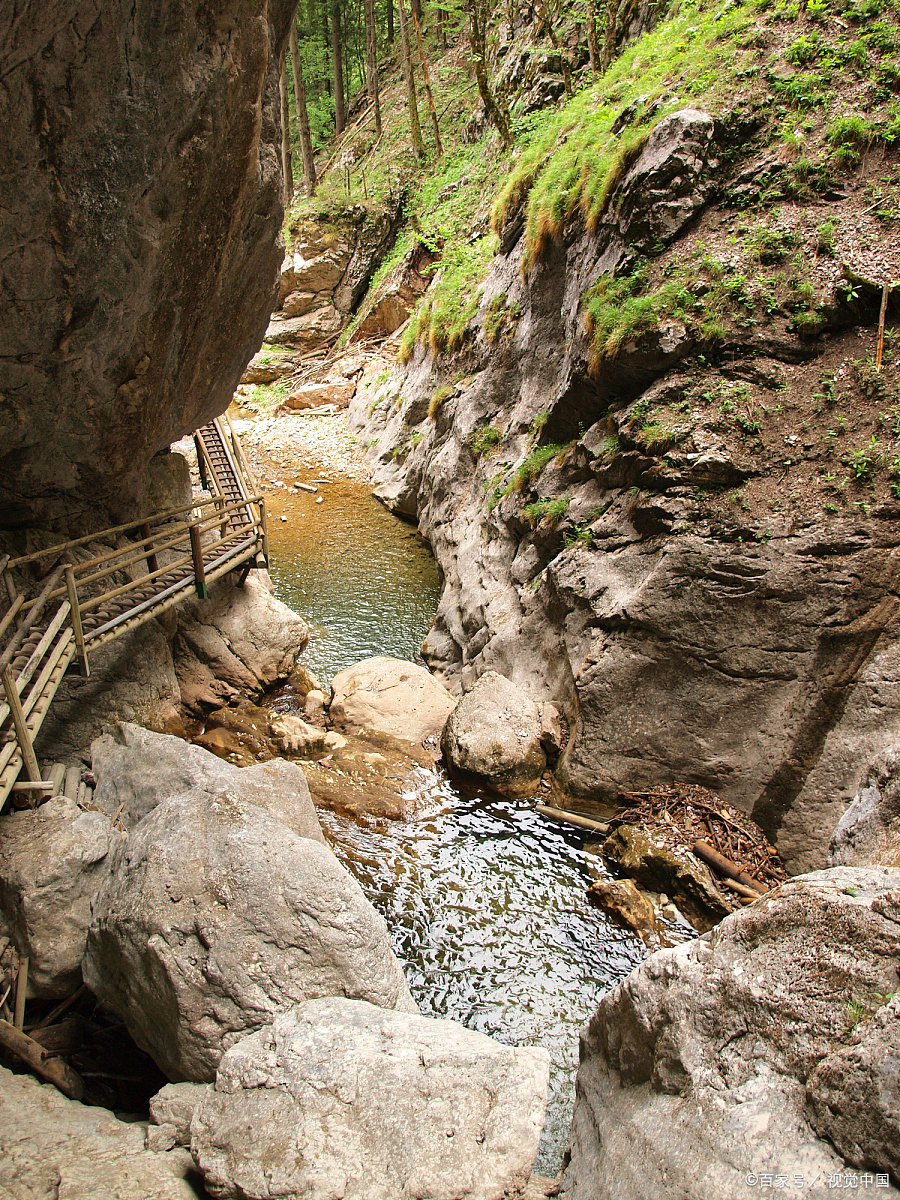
(484, 440)
(534, 464)
(437, 399)
(546, 511)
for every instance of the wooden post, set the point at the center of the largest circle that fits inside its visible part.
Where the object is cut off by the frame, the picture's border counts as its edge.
(265, 529)
(152, 562)
(881, 319)
(31, 1052)
(76, 620)
(21, 989)
(22, 735)
(201, 464)
(199, 570)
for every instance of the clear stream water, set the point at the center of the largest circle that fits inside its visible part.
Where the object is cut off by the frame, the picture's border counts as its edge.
(485, 899)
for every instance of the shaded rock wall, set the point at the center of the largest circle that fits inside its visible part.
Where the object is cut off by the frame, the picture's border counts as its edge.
(140, 246)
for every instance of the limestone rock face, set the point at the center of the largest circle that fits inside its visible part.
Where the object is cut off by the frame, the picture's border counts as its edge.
(217, 917)
(340, 1098)
(317, 328)
(53, 862)
(495, 733)
(239, 640)
(139, 281)
(868, 834)
(51, 1148)
(391, 696)
(728, 1055)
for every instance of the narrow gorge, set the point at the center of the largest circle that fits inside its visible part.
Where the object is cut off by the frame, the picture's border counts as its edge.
(316, 905)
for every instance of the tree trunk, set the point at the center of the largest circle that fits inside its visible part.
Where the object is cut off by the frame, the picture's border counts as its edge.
(340, 106)
(414, 128)
(609, 42)
(593, 44)
(496, 112)
(372, 65)
(428, 92)
(390, 21)
(309, 165)
(287, 167)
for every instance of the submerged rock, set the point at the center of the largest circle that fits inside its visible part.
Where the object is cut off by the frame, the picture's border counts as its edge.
(53, 861)
(767, 1046)
(52, 1148)
(391, 696)
(623, 900)
(340, 1098)
(495, 734)
(216, 917)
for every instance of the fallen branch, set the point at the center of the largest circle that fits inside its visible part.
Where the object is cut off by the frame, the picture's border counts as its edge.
(558, 814)
(31, 1053)
(726, 867)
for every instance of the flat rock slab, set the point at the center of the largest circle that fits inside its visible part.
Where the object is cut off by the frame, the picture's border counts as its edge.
(770, 1046)
(371, 775)
(495, 734)
(217, 917)
(52, 1148)
(53, 861)
(392, 696)
(341, 1099)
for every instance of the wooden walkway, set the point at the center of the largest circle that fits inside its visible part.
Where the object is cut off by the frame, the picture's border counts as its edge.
(85, 599)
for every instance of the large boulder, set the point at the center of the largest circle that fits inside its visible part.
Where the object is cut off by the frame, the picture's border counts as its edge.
(53, 862)
(868, 834)
(216, 917)
(391, 696)
(136, 769)
(239, 640)
(137, 284)
(495, 734)
(769, 1046)
(339, 1098)
(308, 332)
(52, 1148)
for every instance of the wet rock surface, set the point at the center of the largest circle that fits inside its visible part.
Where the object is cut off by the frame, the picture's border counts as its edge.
(494, 733)
(338, 1097)
(390, 696)
(729, 1056)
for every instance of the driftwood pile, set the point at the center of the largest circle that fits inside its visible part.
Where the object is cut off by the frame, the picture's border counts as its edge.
(690, 817)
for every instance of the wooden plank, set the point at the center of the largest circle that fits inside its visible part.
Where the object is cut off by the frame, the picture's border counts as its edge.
(558, 814)
(40, 650)
(21, 991)
(32, 1053)
(76, 620)
(23, 736)
(73, 778)
(57, 775)
(9, 616)
(199, 570)
(29, 618)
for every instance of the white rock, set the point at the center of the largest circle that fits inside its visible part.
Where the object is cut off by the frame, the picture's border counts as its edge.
(392, 696)
(340, 1098)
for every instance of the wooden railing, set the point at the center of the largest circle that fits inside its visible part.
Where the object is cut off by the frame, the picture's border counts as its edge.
(82, 603)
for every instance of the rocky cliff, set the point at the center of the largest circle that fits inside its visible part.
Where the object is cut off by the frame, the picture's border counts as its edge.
(141, 236)
(658, 464)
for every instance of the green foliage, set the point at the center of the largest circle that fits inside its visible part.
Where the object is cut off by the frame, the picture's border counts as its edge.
(548, 511)
(581, 534)
(849, 138)
(485, 439)
(534, 464)
(438, 396)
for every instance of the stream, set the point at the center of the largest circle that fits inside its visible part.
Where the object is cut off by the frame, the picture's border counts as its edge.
(485, 899)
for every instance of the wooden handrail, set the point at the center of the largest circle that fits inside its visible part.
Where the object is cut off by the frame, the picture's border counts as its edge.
(155, 519)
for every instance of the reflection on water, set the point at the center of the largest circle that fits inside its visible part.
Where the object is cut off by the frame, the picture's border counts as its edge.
(485, 899)
(365, 581)
(485, 903)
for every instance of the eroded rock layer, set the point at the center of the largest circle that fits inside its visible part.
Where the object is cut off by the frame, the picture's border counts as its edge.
(140, 245)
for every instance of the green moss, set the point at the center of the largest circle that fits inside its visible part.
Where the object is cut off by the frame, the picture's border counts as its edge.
(534, 464)
(438, 396)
